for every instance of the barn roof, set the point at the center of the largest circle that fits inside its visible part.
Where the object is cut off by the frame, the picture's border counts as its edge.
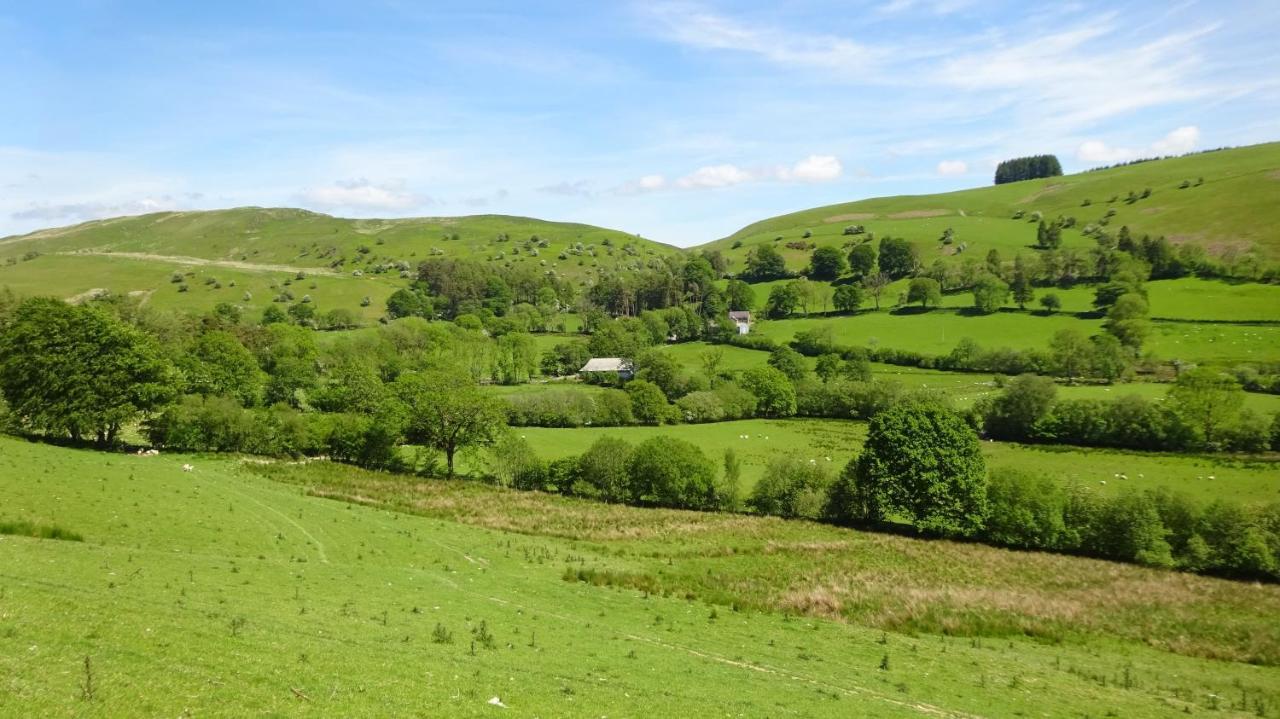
(607, 364)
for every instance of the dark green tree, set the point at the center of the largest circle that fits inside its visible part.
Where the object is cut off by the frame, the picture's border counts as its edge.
(77, 371)
(739, 296)
(827, 263)
(926, 291)
(920, 461)
(862, 259)
(764, 264)
(898, 258)
(847, 298)
(447, 412)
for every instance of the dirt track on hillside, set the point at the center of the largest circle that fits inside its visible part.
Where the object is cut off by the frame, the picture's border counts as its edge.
(203, 262)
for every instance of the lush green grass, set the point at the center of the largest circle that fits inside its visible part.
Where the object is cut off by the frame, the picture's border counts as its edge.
(222, 593)
(1235, 208)
(935, 332)
(309, 239)
(1251, 481)
(70, 276)
(1194, 299)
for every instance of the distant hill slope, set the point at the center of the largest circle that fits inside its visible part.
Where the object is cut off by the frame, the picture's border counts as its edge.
(1235, 209)
(299, 238)
(248, 255)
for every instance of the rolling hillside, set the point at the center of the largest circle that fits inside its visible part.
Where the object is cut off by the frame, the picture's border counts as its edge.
(229, 253)
(242, 588)
(1235, 209)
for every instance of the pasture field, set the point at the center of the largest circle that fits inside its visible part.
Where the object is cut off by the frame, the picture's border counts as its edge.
(938, 331)
(306, 239)
(220, 592)
(70, 276)
(1252, 480)
(935, 332)
(1233, 209)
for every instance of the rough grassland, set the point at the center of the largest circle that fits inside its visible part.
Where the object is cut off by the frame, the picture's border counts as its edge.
(309, 239)
(221, 593)
(1234, 209)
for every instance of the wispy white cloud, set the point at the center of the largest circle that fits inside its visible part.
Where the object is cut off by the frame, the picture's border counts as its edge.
(362, 194)
(951, 168)
(1179, 141)
(577, 188)
(814, 168)
(81, 211)
(699, 28)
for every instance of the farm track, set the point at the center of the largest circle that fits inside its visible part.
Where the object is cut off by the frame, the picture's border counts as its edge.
(205, 262)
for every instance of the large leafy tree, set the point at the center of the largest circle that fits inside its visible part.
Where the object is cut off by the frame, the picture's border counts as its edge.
(926, 291)
(739, 296)
(774, 393)
(898, 258)
(921, 462)
(447, 411)
(862, 259)
(218, 364)
(79, 372)
(764, 263)
(989, 294)
(827, 263)
(1208, 400)
(674, 473)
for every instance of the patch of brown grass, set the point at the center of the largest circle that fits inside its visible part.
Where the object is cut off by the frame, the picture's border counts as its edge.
(918, 214)
(850, 217)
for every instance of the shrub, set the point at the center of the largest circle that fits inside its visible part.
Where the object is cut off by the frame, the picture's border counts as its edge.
(671, 472)
(774, 393)
(604, 469)
(1024, 511)
(792, 487)
(648, 403)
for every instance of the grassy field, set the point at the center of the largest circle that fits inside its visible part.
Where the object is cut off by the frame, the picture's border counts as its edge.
(70, 276)
(1233, 209)
(219, 592)
(312, 240)
(937, 332)
(757, 441)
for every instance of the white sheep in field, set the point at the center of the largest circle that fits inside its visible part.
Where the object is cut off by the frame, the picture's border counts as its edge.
(187, 468)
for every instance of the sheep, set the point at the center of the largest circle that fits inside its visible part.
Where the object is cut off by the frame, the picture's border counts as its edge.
(187, 468)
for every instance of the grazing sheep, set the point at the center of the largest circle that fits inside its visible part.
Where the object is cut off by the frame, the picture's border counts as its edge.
(187, 468)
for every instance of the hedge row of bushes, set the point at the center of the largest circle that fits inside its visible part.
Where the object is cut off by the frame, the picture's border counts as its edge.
(220, 424)
(1023, 511)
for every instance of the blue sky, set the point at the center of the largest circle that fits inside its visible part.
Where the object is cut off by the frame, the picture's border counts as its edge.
(679, 121)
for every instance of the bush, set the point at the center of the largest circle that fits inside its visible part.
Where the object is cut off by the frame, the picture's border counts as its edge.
(604, 470)
(513, 463)
(671, 472)
(372, 443)
(792, 487)
(774, 393)
(1024, 511)
(702, 406)
(648, 403)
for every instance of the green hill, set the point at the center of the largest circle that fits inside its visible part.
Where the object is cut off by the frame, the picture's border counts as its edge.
(1230, 206)
(242, 588)
(254, 250)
